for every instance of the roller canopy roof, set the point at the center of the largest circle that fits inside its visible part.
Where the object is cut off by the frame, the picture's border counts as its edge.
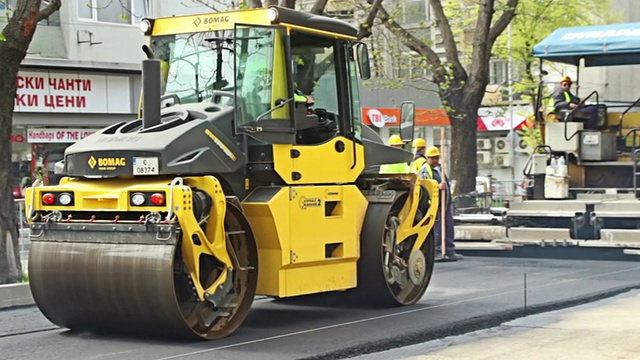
(603, 45)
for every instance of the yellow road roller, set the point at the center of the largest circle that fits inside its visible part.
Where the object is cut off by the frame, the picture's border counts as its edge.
(249, 172)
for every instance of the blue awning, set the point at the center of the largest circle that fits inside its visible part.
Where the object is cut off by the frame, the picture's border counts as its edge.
(616, 44)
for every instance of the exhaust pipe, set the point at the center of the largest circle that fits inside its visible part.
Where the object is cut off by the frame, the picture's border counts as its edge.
(151, 89)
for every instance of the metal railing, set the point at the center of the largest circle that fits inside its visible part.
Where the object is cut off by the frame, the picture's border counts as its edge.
(498, 193)
(621, 119)
(24, 242)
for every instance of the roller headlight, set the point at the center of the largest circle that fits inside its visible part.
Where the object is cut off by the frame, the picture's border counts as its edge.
(146, 26)
(273, 15)
(138, 199)
(65, 199)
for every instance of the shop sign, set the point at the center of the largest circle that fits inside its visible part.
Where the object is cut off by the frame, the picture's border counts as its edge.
(60, 135)
(72, 92)
(381, 117)
(497, 118)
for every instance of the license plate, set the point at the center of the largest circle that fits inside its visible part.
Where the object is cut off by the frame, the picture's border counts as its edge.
(145, 166)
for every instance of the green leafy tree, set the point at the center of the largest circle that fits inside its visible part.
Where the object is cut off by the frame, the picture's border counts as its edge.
(535, 20)
(448, 53)
(15, 38)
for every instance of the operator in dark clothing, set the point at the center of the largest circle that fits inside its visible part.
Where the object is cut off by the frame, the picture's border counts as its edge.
(565, 100)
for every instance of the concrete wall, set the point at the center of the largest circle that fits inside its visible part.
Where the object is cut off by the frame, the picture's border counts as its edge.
(162, 8)
(88, 41)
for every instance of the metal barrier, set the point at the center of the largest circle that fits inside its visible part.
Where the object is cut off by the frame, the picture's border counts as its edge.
(492, 195)
(505, 191)
(23, 234)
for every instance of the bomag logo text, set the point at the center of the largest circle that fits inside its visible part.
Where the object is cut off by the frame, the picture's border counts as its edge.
(112, 162)
(107, 163)
(216, 19)
(211, 20)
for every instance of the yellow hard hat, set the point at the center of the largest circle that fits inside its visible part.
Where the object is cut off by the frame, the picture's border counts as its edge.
(433, 151)
(566, 79)
(395, 140)
(419, 142)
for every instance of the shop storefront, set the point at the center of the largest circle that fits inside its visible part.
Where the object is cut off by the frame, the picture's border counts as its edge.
(55, 108)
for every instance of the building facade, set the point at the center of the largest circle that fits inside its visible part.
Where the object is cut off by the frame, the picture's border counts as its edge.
(82, 73)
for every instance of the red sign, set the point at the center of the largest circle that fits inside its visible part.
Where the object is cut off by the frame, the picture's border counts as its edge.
(432, 117)
(489, 123)
(19, 138)
(380, 117)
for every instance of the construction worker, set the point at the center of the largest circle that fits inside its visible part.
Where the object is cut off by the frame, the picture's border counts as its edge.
(565, 100)
(398, 168)
(433, 170)
(300, 97)
(419, 147)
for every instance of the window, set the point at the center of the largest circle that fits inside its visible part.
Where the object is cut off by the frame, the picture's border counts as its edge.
(354, 92)
(254, 48)
(197, 64)
(314, 70)
(498, 72)
(6, 11)
(113, 11)
(414, 12)
(410, 67)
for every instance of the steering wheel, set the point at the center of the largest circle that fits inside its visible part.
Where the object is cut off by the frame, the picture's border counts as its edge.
(324, 118)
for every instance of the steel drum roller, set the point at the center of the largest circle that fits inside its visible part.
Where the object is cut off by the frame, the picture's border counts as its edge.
(110, 287)
(135, 280)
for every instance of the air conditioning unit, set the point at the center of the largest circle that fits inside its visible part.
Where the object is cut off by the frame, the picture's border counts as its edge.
(484, 157)
(503, 160)
(483, 144)
(502, 145)
(521, 147)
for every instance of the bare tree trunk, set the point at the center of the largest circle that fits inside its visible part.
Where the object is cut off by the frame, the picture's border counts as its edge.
(462, 111)
(291, 4)
(17, 36)
(463, 165)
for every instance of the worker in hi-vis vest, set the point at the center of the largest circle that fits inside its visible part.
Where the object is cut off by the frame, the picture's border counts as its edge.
(565, 100)
(419, 147)
(432, 169)
(397, 168)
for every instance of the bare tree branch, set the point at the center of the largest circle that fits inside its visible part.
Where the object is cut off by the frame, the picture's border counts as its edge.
(201, 2)
(481, 50)
(408, 39)
(365, 27)
(319, 6)
(449, 41)
(291, 4)
(502, 23)
(54, 5)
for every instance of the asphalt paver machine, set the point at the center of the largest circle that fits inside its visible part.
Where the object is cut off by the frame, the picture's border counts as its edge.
(600, 207)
